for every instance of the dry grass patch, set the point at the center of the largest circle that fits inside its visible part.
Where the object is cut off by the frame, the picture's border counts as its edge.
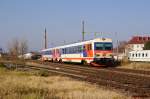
(137, 66)
(21, 85)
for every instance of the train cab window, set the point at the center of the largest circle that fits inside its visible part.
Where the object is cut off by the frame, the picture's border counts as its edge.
(108, 46)
(99, 46)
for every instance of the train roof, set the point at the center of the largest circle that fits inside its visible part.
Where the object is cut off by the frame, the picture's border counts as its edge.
(83, 42)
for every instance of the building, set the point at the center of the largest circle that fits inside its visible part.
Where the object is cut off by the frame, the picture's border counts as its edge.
(141, 56)
(136, 43)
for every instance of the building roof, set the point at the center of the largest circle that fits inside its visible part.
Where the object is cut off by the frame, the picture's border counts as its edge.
(139, 39)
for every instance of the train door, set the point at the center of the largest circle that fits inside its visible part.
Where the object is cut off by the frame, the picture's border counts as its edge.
(87, 50)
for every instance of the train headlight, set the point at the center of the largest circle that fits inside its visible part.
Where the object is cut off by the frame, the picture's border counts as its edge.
(97, 55)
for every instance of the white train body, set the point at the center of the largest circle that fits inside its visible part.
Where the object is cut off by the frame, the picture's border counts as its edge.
(96, 49)
(143, 56)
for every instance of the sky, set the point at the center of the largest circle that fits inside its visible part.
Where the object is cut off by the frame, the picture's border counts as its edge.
(27, 19)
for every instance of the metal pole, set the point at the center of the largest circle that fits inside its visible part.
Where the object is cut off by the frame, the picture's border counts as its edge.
(117, 45)
(95, 34)
(45, 38)
(83, 31)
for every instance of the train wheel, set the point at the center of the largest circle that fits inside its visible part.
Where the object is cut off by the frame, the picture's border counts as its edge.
(84, 62)
(60, 60)
(56, 60)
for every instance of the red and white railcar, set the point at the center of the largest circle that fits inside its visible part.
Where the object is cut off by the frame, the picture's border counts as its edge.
(97, 52)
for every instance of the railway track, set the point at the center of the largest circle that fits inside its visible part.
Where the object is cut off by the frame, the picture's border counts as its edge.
(93, 69)
(137, 83)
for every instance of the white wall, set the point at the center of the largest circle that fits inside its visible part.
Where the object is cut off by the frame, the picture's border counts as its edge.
(136, 47)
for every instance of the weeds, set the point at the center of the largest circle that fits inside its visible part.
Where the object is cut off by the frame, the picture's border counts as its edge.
(21, 85)
(43, 73)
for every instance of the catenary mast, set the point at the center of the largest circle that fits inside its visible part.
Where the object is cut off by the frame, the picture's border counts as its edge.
(45, 39)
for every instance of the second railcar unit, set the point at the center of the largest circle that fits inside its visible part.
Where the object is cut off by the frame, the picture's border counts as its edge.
(96, 51)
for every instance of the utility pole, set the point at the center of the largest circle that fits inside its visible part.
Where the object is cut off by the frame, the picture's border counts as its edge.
(45, 39)
(83, 31)
(117, 44)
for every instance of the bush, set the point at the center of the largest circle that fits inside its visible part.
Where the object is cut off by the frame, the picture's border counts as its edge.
(2, 65)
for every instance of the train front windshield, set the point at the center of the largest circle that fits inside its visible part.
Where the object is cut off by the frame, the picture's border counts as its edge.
(103, 46)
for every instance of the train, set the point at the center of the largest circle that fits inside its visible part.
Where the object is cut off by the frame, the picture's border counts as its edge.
(96, 52)
(139, 56)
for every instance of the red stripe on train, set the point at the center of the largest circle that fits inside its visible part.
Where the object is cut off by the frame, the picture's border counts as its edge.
(103, 51)
(78, 58)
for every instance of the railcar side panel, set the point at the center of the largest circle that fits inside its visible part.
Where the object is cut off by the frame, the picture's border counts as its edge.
(89, 51)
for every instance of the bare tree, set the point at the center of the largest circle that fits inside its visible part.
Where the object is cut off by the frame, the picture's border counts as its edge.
(13, 47)
(121, 47)
(23, 46)
(17, 47)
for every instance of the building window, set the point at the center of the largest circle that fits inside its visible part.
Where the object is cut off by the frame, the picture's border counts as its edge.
(146, 54)
(142, 54)
(139, 55)
(136, 55)
(133, 55)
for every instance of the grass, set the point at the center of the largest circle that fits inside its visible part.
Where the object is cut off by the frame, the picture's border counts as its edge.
(137, 66)
(125, 63)
(24, 85)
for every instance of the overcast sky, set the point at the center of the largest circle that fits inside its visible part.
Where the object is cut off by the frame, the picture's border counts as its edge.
(27, 19)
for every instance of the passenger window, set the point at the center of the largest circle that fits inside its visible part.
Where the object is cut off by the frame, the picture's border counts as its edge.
(63, 51)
